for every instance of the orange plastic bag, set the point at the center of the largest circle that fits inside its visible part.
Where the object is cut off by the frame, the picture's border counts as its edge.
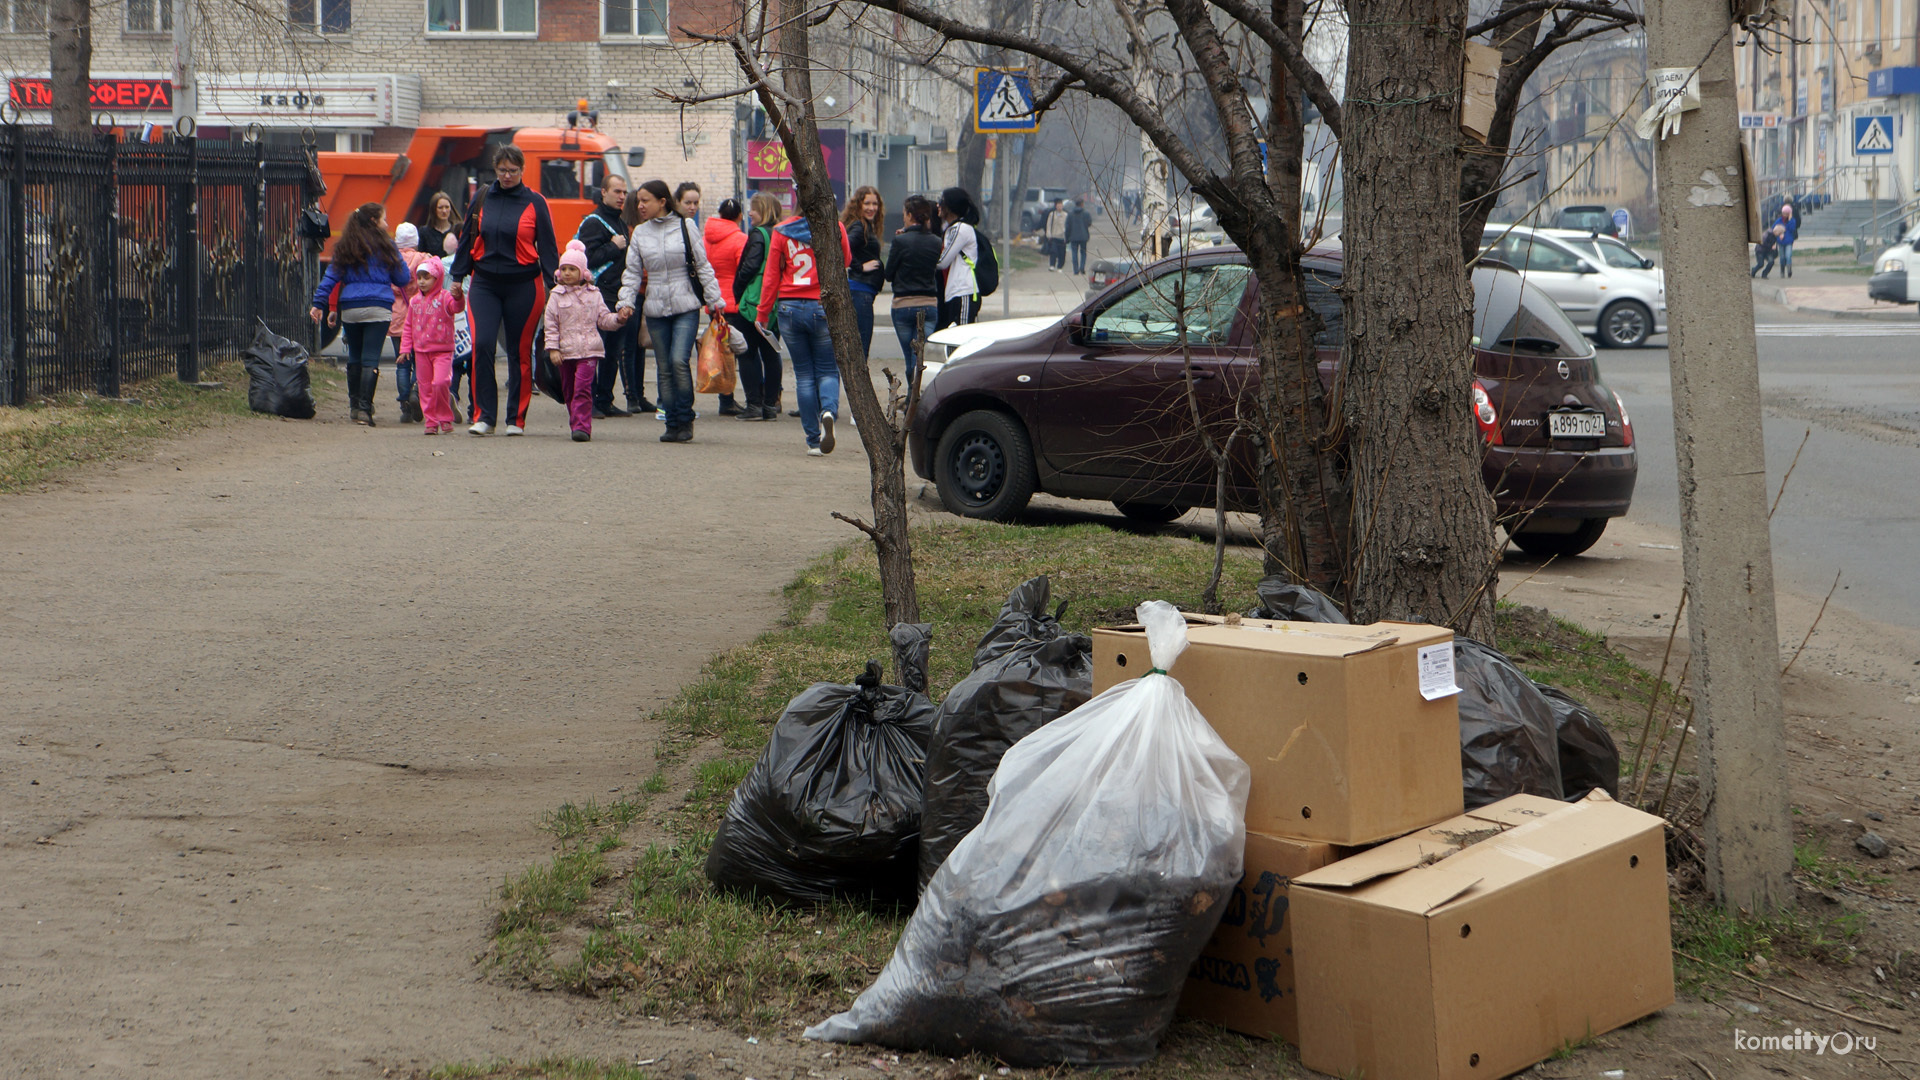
(714, 371)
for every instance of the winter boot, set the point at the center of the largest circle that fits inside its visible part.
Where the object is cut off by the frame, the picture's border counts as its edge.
(369, 388)
(355, 411)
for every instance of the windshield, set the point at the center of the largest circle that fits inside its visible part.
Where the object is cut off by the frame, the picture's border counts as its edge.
(617, 163)
(1620, 255)
(1510, 315)
(1585, 219)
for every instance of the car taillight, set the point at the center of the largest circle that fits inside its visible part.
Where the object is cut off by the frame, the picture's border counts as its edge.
(1626, 425)
(1484, 415)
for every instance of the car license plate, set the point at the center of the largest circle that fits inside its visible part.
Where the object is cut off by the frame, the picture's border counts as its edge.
(1577, 425)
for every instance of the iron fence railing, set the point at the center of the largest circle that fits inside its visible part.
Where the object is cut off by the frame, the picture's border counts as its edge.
(122, 261)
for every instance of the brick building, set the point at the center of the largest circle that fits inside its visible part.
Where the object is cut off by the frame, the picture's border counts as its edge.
(362, 76)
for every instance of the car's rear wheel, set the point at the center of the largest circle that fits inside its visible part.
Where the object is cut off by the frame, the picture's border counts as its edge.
(983, 466)
(1583, 536)
(1626, 325)
(1150, 513)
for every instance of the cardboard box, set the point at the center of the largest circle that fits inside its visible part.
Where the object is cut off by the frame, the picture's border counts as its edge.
(1344, 745)
(1480, 946)
(1244, 977)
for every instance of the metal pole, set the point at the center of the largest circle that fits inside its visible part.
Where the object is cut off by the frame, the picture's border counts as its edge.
(112, 264)
(186, 94)
(17, 283)
(1723, 476)
(188, 239)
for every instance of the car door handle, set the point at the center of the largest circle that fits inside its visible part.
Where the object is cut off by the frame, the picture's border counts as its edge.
(1198, 373)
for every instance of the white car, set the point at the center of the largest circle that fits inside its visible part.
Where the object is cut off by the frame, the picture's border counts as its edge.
(1611, 292)
(1896, 273)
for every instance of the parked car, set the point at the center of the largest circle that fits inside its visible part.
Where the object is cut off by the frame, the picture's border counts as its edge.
(1037, 205)
(1586, 219)
(1104, 272)
(1610, 291)
(1092, 406)
(1896, 272)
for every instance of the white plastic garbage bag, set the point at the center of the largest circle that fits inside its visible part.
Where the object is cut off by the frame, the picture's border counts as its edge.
(1061, 929)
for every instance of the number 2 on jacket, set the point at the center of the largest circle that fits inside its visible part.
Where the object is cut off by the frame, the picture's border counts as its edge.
(801, 259)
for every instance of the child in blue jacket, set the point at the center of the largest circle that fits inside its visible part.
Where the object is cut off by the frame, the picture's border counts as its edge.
(367, 267)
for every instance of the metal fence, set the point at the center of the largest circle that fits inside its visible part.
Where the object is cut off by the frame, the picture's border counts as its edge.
(124, 261)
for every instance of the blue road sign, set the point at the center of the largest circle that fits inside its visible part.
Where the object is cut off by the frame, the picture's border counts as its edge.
(1873, 135)
(1003, 102)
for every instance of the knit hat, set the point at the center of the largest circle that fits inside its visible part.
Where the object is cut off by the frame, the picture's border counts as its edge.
(406, 236)
(576, 256)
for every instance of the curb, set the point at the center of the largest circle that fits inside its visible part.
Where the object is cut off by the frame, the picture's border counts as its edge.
(1777, 296)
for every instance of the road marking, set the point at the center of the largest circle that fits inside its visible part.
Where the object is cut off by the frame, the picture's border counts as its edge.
(1837, 329)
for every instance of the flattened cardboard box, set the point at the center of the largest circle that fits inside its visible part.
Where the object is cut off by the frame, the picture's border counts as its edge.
(1478, 947)
(1352, 732)
(1244, 977)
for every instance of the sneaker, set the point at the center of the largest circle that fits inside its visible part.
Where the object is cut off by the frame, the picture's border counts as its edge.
(581, 436)
(430, 429)
(599, 413)
(814, 451)
(826, 433)
(660, 414)
(615, 410)
(446, 428)
(480, 427)
(515, 429)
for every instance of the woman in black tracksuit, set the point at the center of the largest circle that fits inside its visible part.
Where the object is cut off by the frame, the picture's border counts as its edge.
(507, 244)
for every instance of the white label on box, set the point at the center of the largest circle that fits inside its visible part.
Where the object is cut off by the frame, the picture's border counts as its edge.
(1436, 671)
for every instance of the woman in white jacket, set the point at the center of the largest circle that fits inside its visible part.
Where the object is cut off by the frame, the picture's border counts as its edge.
(959, 252)
(667, 255)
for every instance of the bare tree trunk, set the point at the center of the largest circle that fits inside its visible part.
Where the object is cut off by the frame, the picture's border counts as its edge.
(973, 159)
(882, 440)
(70, 62)
(1423, 519)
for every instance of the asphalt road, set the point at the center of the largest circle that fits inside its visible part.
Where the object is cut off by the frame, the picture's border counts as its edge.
(1853, 503)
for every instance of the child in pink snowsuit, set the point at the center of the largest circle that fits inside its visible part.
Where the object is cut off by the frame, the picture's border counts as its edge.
(427, 337)
(576, 313)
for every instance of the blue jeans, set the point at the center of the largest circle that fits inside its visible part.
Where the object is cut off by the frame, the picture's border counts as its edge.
(906, 329)
(402, 375)
(816, 381)
(622, 360)
(673, 338)
(863, 315)
(1786, 259)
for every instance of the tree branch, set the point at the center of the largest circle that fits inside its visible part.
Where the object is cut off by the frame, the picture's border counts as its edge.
(871, 532)
(1289, 52)
(1603, 9)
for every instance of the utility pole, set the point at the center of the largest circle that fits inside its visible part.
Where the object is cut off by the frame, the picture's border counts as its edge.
(186, 95)
(1722, 459)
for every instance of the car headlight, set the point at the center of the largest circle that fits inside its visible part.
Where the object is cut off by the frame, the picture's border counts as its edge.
(1893, 264)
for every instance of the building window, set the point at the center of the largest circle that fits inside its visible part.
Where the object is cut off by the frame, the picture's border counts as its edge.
(635, 18)
(483, 16)
(149, 16)
(321, 16)
(23, 16)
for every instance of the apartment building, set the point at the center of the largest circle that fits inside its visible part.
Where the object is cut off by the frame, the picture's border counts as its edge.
(361, 76)
(1585, 99)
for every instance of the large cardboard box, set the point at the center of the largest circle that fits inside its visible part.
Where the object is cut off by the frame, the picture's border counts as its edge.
(1244, 977)
(1478, 947)
(1352, 732)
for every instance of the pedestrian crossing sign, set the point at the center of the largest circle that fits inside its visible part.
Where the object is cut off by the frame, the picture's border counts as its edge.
(1873, 135)
(1003, 102)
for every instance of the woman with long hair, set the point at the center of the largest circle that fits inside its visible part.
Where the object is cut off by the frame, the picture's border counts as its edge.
(367, 267)
(913, 266)
(760, 364)
(443, 222)
(724, 242)
(959, 251)
(680, 282)
(508, 245)
(863, 216)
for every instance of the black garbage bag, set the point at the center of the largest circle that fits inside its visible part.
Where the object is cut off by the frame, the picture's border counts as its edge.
(1286, 600)
(277, 379)
(1507, 741)
(546, 374)
(832, 808)
(912, 642)
(1061, 930)
(1026, 673)
(1589, 759)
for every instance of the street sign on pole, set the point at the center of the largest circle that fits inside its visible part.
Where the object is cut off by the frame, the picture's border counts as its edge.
(1873, 135)
(1003, 102)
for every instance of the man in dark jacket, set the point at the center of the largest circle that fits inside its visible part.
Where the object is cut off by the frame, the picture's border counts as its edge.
(1079, 230)
(605, 235)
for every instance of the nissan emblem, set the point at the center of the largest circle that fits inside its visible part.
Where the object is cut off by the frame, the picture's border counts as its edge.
(1566, 372)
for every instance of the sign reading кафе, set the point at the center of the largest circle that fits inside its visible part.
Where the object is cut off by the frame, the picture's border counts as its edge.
(135, 95)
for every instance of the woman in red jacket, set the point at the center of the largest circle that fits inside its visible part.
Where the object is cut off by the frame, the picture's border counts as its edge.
(793, 283)
(725, 241)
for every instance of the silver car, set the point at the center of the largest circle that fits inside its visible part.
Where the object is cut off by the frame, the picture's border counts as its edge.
(1612, 293)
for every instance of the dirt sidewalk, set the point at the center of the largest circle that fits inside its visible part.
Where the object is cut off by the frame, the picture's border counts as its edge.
(285, 703)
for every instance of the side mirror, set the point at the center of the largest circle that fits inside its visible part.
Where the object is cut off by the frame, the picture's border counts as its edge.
(1646, 264)
(1585, 267)
(637, 157)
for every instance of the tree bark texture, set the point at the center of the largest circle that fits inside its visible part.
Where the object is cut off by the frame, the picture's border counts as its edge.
(70, 63)
(1423, 520)
(814, 190)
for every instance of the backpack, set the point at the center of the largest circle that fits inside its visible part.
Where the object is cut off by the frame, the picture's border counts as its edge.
(986, 271)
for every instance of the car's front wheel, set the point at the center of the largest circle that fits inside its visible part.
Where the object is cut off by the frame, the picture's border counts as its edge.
(1543, 544)
(983, 466)
(1626, 325)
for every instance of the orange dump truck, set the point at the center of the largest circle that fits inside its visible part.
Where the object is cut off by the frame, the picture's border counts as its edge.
(567, 165)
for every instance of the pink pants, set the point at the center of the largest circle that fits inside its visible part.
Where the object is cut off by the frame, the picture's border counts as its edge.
(434, 372)
(576, 386)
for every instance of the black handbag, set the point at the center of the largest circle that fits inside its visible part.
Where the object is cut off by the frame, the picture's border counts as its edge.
(693, 274)
(313, 225)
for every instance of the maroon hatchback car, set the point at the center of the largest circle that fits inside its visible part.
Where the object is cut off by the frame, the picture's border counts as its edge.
(1094, 406)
